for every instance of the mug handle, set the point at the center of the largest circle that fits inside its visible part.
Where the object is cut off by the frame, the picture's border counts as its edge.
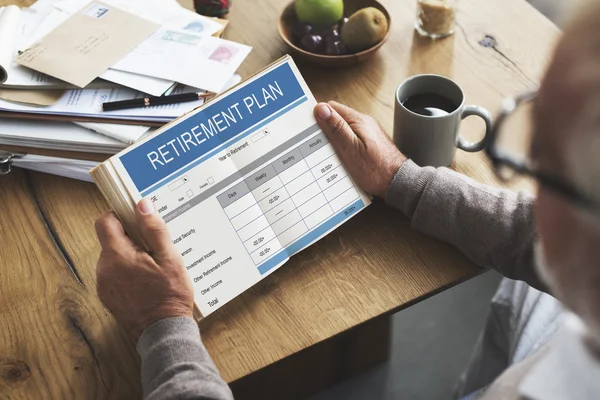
(487, 118)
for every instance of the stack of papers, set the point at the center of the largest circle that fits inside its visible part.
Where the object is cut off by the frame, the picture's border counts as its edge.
(87, 103)
(57, 136)
(67, 167)
(92, 52)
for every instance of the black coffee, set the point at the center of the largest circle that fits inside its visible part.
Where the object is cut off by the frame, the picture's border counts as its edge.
(429, 104)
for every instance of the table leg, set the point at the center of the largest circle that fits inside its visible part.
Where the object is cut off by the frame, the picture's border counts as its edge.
(320, 366)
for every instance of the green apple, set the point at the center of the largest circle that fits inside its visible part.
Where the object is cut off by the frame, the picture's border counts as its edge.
(319, 12)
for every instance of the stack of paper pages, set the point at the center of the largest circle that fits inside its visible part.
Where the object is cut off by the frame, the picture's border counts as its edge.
(86, 104)
(67, 167)
(61, 136)
(60, 60)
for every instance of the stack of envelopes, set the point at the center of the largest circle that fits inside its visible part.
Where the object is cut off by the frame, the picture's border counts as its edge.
(60, 60)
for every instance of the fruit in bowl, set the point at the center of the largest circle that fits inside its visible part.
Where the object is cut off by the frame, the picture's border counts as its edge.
(364, 28)
(319, 12)
(321, 27)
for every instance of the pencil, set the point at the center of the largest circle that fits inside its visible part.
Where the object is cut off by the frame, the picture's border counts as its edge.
(153, 101)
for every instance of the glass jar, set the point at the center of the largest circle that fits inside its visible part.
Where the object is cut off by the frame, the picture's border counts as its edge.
(436, 18)
(213, 8)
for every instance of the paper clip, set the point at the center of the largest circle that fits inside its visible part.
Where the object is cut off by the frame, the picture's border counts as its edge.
(6, 160)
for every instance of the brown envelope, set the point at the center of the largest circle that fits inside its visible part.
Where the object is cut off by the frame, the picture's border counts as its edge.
(87, 44)
(45, 97)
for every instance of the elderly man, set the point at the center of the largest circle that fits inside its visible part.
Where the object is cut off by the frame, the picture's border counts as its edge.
(518, 355)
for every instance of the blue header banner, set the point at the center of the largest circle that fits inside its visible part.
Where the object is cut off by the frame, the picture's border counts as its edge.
(190, 139)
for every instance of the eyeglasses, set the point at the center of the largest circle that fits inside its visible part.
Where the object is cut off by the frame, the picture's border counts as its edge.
(512, 149)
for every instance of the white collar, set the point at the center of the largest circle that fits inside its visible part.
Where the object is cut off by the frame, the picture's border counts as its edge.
(568, 371)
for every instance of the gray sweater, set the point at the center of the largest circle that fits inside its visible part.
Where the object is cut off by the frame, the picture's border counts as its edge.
(492, 227)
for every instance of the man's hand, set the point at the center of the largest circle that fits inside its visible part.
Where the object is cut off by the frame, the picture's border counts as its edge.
(366, 150)
(139, 288)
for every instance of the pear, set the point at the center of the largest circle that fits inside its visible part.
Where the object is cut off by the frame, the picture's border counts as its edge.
(365, 28)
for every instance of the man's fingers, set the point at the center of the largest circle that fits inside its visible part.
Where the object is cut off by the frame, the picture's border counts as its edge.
(348, 113)
(352, 117)
(154, 229)
(111, 233)
(335, 127)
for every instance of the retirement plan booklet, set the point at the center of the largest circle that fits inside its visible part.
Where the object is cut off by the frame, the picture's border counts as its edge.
(243, 182)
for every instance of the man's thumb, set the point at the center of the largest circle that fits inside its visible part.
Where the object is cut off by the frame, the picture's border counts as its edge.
(154, 229)
(333, 125)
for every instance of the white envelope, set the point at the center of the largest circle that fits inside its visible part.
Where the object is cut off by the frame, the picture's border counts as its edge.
(203, 62)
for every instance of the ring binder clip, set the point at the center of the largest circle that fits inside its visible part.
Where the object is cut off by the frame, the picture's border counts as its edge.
(6, 160)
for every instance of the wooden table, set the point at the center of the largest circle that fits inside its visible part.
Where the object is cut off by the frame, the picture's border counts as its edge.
(58, 341)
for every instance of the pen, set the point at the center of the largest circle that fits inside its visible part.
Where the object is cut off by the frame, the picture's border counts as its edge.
(153, 101)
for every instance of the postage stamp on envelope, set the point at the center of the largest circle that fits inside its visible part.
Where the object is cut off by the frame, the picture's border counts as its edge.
(179, 37)
(194, 26)
(223, 54)
(96, 11)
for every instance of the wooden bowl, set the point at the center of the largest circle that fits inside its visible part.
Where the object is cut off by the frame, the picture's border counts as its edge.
(288, 19)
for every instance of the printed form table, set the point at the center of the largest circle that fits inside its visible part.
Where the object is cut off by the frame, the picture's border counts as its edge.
(276, 205)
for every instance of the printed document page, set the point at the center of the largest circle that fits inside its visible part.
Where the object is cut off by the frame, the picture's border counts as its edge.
(244, 183)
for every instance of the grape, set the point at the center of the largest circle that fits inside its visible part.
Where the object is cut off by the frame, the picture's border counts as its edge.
(332, 36)
(300, 30)
(335, 48)
(323, 30)
(312, 43)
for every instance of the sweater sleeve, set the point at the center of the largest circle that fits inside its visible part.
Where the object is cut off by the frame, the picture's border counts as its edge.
(493, 227)
(176, 365)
